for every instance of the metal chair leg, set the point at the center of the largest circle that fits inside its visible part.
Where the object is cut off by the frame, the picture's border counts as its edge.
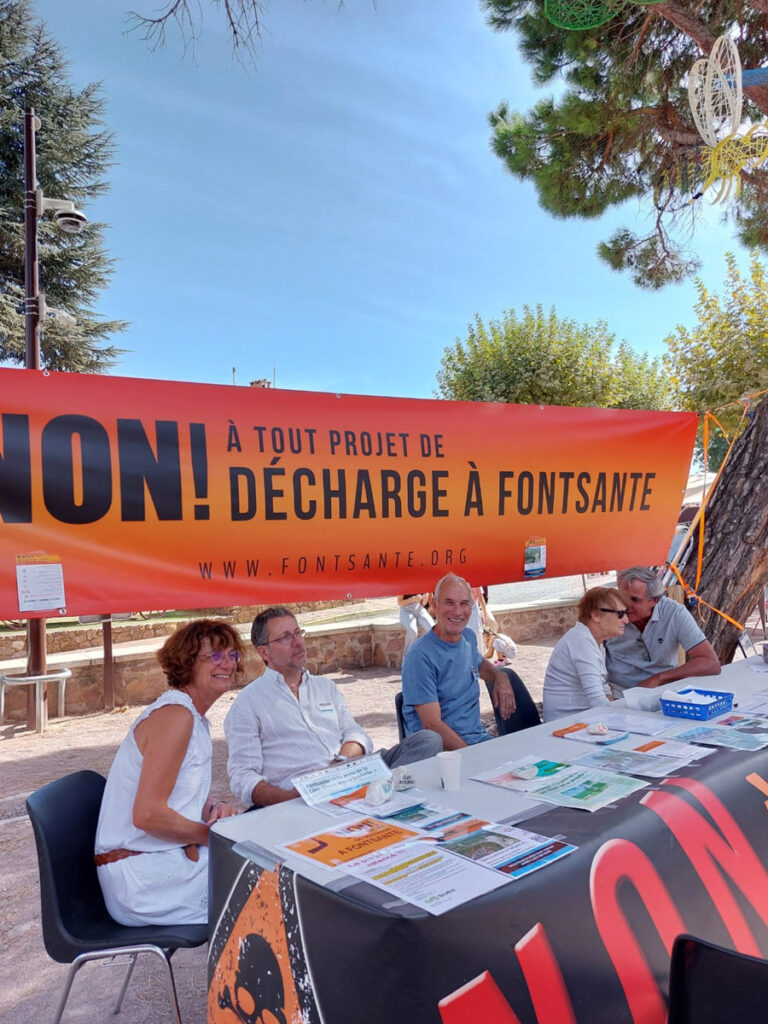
(111, 954)
(127, 978)
(166, 958)
(74, 967)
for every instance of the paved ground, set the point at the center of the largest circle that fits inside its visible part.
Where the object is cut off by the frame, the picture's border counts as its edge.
(30, 983)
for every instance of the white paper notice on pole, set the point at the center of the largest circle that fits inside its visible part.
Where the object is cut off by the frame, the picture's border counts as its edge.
(40, 583)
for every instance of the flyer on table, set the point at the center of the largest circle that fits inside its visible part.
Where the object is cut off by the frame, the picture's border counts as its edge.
(426, 876)
(338, 846)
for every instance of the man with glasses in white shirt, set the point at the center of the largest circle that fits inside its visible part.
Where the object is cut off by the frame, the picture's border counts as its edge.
(288, 721)
(647, 653)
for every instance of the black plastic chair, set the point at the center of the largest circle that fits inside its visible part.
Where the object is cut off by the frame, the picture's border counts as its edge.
(526, 713)
(399, 714)
(709, 984)
(76, 925)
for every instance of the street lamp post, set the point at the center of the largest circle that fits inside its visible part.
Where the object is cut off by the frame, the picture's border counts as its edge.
(72, 221)
(36, 647)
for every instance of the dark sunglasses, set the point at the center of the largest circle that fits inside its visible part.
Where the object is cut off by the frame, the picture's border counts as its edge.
(621, 612)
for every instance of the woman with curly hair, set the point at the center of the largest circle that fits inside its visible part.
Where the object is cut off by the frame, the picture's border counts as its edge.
(152, 837)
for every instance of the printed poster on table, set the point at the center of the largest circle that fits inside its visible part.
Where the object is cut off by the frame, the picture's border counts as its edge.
(588, 789)
(512, 851)
(525, 774)
(425, 875)
(438, 821)
(631, 762)
(338, 846)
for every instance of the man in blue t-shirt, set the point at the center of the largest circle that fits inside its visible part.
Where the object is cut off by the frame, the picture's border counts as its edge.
(441, 670)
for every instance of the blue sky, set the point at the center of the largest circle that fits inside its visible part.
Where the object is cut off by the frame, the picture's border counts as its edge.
(335, 214)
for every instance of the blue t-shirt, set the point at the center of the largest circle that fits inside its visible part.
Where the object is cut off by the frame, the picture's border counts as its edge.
(435, 670)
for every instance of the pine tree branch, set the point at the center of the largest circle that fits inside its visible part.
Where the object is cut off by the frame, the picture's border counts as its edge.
(688, 24)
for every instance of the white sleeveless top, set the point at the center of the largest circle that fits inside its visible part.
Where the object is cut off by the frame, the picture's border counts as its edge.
(116, 829)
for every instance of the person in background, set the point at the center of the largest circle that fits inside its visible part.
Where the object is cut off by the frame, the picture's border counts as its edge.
(498, 647)
(480, 617)
(152, 836)
(647, 653)
(576, 677)
(414, 614)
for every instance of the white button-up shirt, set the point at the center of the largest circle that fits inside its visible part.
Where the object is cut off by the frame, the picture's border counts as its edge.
(272, 736)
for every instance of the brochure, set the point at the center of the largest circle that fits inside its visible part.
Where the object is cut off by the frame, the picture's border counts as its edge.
(757, 704)
(321, 787)
(646, 723)
(587, 789)
(438, 822)
(337, 846)
(510, 850)
(755, 725)
(673, 748)
(525, 774)
(425, 875)
(632, 762)
(357, 802)
(586, 732)
(722, 736)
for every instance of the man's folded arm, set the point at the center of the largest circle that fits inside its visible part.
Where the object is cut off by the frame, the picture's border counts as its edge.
(431, 718)
(503, 694)
(264, 794)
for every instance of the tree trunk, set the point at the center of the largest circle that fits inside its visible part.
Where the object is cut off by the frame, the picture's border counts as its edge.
(735, 563)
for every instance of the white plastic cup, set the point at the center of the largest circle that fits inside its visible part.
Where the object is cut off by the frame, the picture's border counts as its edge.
(449, 764)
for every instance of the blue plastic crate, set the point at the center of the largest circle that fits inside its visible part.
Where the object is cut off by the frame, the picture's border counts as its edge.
(682, 709)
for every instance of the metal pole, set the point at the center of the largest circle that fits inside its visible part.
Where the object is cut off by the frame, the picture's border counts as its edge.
(36, 652)
(31, 284)
(109, 664)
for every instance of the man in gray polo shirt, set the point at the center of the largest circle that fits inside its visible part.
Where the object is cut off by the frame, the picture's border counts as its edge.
(647, 653)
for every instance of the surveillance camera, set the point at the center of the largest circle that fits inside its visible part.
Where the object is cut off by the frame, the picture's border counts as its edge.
(72, 221)
(64, 213)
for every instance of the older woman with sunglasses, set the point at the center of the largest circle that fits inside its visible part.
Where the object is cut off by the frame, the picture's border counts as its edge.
(576, 677)
(152, 837)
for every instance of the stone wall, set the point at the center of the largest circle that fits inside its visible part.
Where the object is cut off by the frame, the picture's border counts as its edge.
(525, 625)
(138, 678)
(13, 643)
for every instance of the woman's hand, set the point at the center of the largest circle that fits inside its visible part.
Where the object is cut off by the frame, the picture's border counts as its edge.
(220, 810)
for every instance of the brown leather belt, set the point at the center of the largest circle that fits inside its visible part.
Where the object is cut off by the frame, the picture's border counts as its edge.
(190, 850)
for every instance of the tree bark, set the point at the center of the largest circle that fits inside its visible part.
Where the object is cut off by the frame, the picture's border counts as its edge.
(688, 24)
(735, 563)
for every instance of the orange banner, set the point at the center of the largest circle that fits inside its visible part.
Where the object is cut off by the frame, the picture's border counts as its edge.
(119, 494)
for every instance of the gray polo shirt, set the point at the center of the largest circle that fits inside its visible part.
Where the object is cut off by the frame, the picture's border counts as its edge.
(635, 656)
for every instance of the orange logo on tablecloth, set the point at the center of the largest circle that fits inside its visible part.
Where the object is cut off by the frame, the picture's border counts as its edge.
(253, 982)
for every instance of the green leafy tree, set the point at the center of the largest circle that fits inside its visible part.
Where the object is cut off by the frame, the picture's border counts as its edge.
(620, 126)
(73, 152)
(538, 358)
(725, 356)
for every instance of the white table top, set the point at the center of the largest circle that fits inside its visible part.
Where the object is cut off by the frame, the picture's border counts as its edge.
(293, 819)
